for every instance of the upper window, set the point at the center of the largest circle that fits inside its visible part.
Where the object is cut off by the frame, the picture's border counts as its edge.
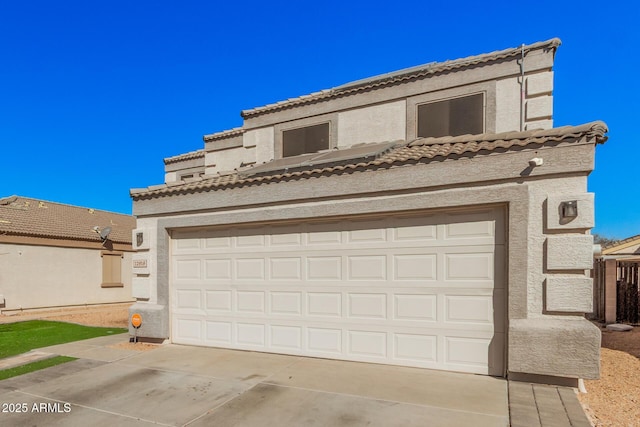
(304, 140)
(452, 117)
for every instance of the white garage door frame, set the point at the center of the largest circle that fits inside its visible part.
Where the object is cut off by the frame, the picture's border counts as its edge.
(424, 289)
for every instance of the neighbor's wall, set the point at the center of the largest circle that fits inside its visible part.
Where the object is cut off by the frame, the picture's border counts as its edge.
(47, 276)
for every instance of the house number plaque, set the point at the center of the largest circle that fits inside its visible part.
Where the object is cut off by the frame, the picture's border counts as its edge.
(139, 263)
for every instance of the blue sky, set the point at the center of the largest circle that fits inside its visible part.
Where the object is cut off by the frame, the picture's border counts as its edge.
(93, 95)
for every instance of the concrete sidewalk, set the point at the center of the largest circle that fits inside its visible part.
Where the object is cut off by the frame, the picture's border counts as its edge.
(183, 385)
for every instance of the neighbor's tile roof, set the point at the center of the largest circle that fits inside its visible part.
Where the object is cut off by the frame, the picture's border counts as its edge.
(401, 76)
(621, 244)
(22, 216)
(419, 151)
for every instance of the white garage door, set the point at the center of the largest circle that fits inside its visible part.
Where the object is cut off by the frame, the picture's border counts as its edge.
(423, 290)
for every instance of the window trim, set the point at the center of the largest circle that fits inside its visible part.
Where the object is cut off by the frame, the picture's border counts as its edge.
(488, 90)
(279, 129)
(328, 130)
(111, 254)
(484, 120)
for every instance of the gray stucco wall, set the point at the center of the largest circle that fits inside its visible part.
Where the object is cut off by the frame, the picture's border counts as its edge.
(540, 308)
(389, 113)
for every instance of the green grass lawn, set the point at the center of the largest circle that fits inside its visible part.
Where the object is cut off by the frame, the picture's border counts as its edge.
(20, 337)
(35, 366)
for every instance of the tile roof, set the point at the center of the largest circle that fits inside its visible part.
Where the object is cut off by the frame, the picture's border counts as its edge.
(401, 76)
(224, 134)
(184, 157)
(613, 246)
(22, 216)
(419, 151)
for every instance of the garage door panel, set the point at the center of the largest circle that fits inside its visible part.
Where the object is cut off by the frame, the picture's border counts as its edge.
(469, 229)
(327, 341)
(415, 307)
(285, 236)
(218, 269)
(188, 242)
(286, 303)
(487, 223)
(462, 350)
(286, 268)
(366, 232)
(469, 266)
(188, 299)
(367, 306)
(325, 304)
(416, 348)
(324, 268)
(219, 333)
(467, 351)
(323, 234)
(370, 344)
(188, 330)
(423, 306)
(250, 269)
(286, 337)
(415, 267)
(250, 302)
(218, 301)
(250, 241)
(415, 290)
(416, 230)
(187, 269)
(251, 334)
(476, 309)
(366, 267)
(218, 242)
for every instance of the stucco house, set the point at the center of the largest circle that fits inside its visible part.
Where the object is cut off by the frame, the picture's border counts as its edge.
(52, 255)
(430, 217)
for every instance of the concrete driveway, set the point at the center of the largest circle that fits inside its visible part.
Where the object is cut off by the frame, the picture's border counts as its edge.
(181, 385)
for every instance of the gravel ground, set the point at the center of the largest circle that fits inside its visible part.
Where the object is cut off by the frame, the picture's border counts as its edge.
(614, 399)
(110, 316)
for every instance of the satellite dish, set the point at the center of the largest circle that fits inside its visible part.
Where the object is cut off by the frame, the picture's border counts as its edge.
(105, 233)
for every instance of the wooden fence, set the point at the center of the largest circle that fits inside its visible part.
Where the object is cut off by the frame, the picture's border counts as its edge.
(616, 291)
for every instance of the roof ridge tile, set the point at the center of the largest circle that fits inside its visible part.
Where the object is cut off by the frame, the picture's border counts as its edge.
(400, 76)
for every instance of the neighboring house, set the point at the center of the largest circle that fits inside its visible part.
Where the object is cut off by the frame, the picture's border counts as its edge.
(615, 275)
(627, 249)
(431, 217)
(52, 255)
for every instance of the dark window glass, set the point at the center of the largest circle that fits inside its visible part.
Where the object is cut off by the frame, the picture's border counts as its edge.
(452, 117)
(305, 140)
